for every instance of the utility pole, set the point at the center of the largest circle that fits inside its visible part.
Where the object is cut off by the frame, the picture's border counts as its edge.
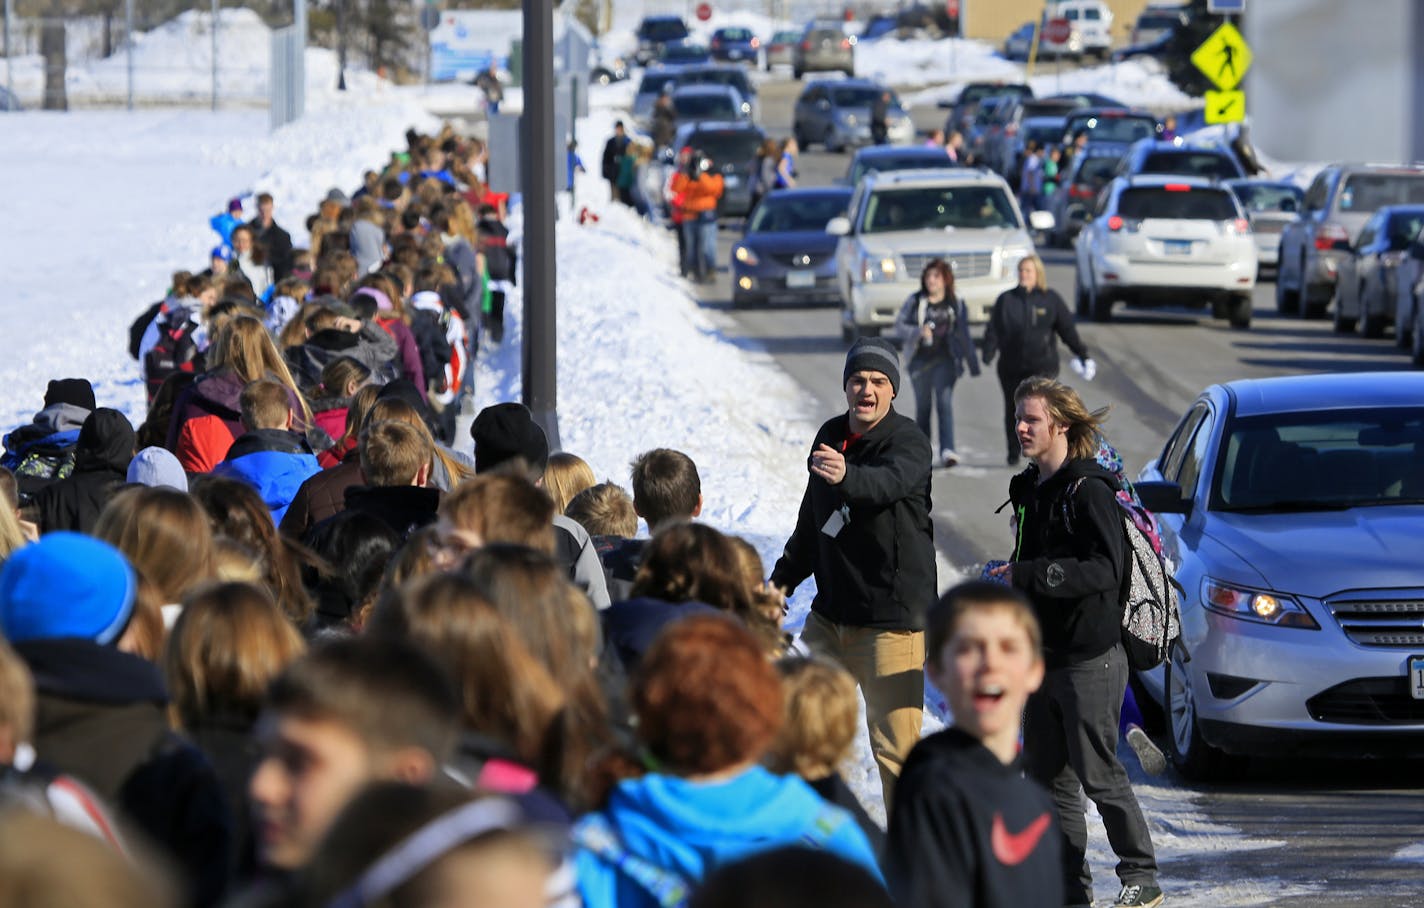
(128, 39)
(215, 55)
(537, 142)
(341, 45)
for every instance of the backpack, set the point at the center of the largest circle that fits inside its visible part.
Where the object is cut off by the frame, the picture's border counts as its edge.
(38, 462)
(1150, 596)
(140, 326)
(176, 351)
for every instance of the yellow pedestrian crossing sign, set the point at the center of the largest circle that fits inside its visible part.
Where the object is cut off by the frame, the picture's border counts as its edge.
(1225, 106)
(1224, 57)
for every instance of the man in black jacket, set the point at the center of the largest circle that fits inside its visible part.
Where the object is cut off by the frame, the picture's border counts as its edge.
(864, 531)
(275, 242)
(613, 150)
(1069, 561)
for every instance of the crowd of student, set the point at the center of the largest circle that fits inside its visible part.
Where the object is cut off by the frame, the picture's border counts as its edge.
(284, 645)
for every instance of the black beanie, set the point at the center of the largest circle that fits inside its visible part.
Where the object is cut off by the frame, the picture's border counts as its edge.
(505, 431)
(76, 391)
(873, 354)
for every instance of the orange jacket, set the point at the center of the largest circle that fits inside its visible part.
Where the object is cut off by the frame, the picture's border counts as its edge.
(698, 195)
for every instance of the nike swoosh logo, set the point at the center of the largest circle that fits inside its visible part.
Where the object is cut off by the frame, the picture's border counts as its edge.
(1013, 848)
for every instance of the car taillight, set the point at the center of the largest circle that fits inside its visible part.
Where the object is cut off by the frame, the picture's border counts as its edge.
(1177, 187)
(1239, 225)
(756, 42)
(716, 43)
(845, 44)
(1329, 235)
(1115, 223)
(1120, 224)
(805, 45)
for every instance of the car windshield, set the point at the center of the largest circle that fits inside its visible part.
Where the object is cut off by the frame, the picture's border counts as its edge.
(675, 52)
(1097, 170)
(889, 163)
(1113, 129)
(854, 96)
(654, 83)
(1404, 227)
(736, 34)
(1043, 135)
(781, 212)
(727, 146)
(786, 37)
(733, 77)
(1322, 461)
(705, 107)
(1261, 197)
(1176, 204)
(1194, 163)
(664, 30)
(968, 207)
(1370, 191)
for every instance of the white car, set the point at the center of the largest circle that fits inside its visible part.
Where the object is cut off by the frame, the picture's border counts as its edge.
(898, 222)
(1091, 19)
(1164, 239)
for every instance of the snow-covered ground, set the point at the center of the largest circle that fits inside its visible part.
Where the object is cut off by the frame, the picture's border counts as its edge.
(109, 204)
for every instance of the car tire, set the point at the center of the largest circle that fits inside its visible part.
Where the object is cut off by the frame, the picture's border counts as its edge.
(1238, 311)
(1194, 758)
(1311, 310)
(1080, 296)
(797, 72)
(1372, 324)
(1402, 328)
(1287, 300)
(742, 300)
(1416, 343)
(1099, 304)
(1341, 322)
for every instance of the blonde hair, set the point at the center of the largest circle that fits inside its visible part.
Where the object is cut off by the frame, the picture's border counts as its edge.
(1066, 408)
(393, 453)
(604, 510)
(393, 408)
(566, 476)
(165, 534)
(244, 346)
(821, 718)
(12, 536)
(265, 405)
(1041, 281)
(502, 508)
(230, 641)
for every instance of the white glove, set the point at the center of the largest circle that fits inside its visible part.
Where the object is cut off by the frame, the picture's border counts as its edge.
(1085, 367)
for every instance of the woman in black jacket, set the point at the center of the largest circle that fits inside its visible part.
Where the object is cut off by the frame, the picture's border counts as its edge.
(1021, 330)
(933, 326)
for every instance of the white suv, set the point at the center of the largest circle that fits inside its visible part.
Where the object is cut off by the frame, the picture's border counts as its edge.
(898, 222)
(1166, 239)
(1092, 19)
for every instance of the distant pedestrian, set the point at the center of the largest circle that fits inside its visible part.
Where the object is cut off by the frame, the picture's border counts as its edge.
(613, 151)
(488, 82)
(954, 147)
(880, 118)
(664, 119)
(1023, 326)
(786, 165)
(1050, 173)
(935, 139)
(933, 325)
(701, 189)
(1031, 179)
(573, 164)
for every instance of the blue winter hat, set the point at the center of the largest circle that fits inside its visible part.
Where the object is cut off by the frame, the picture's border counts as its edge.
(222, 251)
(66, 585)
(155, 466)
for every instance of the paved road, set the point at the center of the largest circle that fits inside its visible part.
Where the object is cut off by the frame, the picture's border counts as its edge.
(1343, 822)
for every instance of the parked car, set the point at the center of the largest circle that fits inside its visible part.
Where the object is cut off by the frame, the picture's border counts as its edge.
(785, 252)
(966, 104)
(837, 114)
(1156, 240)
(1092, 19)
(683, 53)
(607, 70)
(697, 103)
(1087, 99)
(655, 80)
(1118, 125)
(656, 31)
(732, 147)
(1270, 205)
(1157, 48)
(890, 158)
(1365, 291)
(1291, 508)
(1408, 331)
(824, 47)
(1337, 204)
(1019, 44)
(1151, 156)
(735, 45)
(898, 222)
(1158, 21)
(781, 49)
(1078, 186)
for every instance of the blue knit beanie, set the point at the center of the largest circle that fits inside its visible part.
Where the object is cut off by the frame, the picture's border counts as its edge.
(66, 585)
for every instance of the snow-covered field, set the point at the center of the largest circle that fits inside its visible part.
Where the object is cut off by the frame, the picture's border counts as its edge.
(103, 206)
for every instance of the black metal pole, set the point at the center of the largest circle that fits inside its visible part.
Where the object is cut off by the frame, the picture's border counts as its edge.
(536, 152)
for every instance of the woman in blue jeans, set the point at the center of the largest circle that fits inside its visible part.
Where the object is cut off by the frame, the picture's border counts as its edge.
(933, 326)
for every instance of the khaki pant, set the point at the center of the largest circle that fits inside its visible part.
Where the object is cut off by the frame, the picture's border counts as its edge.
(889, 666)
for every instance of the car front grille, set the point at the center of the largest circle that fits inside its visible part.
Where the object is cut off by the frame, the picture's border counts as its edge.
(1381, 622)
(1367, 701)
(799, 259)
(963, 264)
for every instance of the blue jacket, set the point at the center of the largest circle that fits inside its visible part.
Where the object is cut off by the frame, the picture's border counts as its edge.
(686, 829)
(272, 461)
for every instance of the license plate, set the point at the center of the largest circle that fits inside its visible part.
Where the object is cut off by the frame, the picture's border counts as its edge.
(1416, 677)
(1177, 247)
(798, 280)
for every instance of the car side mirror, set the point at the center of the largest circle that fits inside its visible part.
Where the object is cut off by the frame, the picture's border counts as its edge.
(838, 226)
(1162, 497)
(1041, 220)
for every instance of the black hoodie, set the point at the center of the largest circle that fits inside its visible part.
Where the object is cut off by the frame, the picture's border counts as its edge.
(879, 570)
(1070, 558)
(101, 463)
(966, 829)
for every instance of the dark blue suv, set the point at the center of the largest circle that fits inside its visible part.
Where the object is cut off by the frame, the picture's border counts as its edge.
(735, 45)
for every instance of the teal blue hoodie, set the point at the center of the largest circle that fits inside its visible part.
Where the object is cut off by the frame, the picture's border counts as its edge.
(686, 829)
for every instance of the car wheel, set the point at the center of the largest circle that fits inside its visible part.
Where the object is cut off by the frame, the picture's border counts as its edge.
(1099, 304)
(1342, 323)
(1310, 310)
(741, 300)
(1372, 324)
(1416, 343)
(1080, 296)
(797, 72)
(1402, 326)
(1238, 311)
(1194, 758)
(1287, 300)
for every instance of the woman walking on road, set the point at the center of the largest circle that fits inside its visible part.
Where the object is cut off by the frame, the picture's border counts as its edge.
(1021, 331)
(933, 326)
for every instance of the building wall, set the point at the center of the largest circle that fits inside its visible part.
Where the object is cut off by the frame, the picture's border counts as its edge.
(993, 20)
(1335, 81)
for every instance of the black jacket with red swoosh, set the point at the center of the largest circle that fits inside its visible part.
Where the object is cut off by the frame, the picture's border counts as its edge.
(967, 830)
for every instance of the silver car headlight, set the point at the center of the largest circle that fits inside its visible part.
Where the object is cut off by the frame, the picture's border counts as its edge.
(846, 118)
(1009, 258)
(1261, 606)
(877, 269)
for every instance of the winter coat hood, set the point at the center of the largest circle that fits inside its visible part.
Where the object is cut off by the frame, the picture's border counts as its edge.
(106, 442)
